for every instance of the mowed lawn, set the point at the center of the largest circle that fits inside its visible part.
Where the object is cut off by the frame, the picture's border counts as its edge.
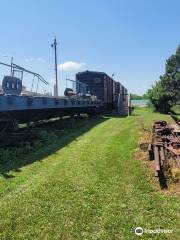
(91, 187)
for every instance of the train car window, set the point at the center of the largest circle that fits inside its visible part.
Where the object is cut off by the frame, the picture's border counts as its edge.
(7, 85)
(12, 85)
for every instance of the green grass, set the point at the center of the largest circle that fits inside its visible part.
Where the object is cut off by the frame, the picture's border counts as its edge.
(86, 184)
(176, 109)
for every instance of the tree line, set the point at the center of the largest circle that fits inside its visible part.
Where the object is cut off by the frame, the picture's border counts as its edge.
(138, 97)
(165, 93)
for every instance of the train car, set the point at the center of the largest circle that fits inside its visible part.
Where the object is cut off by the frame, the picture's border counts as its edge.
(15, 107)
(103, 86)
(99, 84)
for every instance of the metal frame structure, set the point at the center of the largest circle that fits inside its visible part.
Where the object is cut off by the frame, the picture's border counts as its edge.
(15, 67)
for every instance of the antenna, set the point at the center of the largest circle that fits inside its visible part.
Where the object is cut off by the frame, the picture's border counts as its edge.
(54, 45)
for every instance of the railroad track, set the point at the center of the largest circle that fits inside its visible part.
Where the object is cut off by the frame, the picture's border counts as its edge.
(28, 134)
(18, 138)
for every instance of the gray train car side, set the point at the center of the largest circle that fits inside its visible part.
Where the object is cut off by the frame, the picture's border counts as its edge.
(31, 108)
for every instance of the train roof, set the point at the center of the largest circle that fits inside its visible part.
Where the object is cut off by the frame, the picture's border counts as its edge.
(92, 72)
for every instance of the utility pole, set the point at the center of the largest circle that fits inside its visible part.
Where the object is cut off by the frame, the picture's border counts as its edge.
(54, 45)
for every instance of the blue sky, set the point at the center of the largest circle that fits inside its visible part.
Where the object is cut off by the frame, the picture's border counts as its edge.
(131, 39)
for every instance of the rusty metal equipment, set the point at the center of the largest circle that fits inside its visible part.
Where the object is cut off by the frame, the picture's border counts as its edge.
(176, 119)
(165, 141)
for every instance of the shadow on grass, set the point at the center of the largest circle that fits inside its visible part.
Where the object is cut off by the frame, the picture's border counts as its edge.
(19, 157)
(116, 116)
(162, 180)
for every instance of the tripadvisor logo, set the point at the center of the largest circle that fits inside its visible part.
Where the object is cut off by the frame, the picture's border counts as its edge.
(139, 231)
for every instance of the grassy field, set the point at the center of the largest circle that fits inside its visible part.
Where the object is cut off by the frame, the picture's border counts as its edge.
(176, 109)
(86, 184)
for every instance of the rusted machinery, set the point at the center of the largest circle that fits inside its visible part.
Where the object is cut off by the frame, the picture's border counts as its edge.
(176, 119)
(165, 142)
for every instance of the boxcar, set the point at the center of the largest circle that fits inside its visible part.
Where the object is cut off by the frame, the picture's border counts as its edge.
(99, 84)
(102, 86)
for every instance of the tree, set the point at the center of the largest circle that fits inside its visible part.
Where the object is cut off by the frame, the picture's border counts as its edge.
(165, 93)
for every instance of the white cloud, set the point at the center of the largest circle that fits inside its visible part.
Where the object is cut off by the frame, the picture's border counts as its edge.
(71, 66)
(32, 59)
